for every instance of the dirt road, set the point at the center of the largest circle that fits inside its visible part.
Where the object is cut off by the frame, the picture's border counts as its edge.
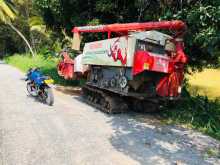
(73, 133)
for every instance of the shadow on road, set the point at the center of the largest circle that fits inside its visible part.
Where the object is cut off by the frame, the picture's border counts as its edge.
(137, 141)
(143, 138)
(23, 78)
(2, 62)
(150, 143)
(69, 90)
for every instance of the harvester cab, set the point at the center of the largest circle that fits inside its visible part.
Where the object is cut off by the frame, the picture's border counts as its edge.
(138, 68)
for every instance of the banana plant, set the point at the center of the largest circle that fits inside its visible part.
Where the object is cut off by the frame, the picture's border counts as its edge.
(7, 15)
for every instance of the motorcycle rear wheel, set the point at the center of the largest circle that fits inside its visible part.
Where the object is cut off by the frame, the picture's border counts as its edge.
(30, 90)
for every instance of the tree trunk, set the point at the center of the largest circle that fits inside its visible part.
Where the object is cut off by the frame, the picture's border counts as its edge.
(23, 37)
(27, 17)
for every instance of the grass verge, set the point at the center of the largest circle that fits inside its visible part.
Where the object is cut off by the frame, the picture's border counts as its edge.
(47, 65)
(197, 112)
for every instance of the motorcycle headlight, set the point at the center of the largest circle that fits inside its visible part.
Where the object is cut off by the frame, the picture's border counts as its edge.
(49, 81)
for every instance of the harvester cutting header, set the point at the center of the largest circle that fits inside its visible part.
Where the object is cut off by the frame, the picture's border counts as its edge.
(138, 68)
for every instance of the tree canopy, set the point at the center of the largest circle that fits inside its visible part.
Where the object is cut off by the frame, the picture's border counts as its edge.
(202, 40)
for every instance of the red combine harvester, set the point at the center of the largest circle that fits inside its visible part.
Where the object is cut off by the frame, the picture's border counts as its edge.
(139, 69)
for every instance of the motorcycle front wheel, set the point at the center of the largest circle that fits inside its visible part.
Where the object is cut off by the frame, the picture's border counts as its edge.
(48, 96)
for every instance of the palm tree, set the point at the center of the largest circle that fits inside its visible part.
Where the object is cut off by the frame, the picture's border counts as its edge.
(7, 14)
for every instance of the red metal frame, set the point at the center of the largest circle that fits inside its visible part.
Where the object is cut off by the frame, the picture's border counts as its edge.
(171, 82)
(161, 25)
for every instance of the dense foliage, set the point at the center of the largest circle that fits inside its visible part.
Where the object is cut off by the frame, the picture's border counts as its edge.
(202, 18)
(47, 64)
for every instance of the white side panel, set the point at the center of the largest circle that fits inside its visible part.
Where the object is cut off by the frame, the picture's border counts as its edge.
(110, 52)
(131, 50)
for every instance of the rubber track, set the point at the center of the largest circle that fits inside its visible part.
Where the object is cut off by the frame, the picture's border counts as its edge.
(116, 104)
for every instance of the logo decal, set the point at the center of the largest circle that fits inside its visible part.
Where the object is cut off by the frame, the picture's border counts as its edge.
(117, 52)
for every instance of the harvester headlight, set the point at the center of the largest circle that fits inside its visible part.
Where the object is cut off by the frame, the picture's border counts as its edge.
(146, 66)
(179, 89)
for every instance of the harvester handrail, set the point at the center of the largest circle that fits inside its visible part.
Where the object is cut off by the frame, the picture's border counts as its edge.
(161, 25)
(176, 25)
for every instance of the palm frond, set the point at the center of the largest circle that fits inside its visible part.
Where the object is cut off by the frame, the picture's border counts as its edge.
(6, 13)
(36, 23)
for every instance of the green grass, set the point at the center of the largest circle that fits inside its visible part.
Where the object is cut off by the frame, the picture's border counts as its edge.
(197, 112)
(47, 65)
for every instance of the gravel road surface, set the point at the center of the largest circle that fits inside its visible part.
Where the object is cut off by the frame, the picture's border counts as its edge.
(73, 133)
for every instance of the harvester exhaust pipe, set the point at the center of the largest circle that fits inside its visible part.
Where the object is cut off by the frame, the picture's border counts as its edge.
(76, 41)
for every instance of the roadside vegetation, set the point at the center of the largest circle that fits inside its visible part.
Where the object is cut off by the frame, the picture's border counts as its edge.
(197, 112)
(200, 107)
(47, 64)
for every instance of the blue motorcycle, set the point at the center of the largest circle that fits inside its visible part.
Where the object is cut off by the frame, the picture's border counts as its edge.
(39, 86)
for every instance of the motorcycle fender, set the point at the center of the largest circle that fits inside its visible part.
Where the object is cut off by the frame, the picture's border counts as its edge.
(50, 85)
